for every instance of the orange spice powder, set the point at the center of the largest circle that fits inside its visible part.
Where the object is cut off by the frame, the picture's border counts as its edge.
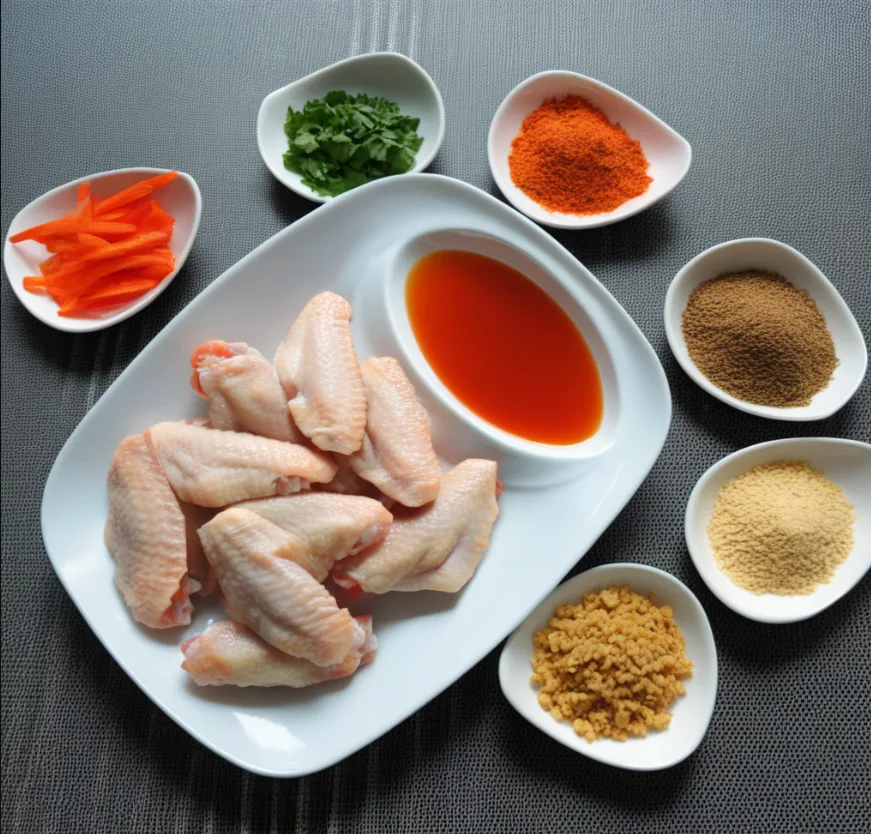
(569, 158)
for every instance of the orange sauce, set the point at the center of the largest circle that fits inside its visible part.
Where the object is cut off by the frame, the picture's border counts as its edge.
(504, 347)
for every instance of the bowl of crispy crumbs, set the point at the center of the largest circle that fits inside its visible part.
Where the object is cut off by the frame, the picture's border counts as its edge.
(624, 667)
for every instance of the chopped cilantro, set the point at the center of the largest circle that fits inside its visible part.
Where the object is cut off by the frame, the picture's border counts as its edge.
(342, 141)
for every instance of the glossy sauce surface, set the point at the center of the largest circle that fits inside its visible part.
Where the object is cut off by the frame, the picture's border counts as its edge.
(504, 347)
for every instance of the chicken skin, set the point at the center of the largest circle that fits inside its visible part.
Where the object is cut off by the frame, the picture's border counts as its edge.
(397, 454)
(228, 653)
(216, 468)
(318, 368)
(436, 547)
(147, 533)
(331, 526)
(266, 589)
(242, 390)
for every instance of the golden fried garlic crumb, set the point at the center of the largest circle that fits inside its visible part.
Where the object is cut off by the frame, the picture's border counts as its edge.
(612, 665)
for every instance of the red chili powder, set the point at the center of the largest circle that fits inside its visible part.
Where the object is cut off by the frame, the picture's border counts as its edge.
(569, 158)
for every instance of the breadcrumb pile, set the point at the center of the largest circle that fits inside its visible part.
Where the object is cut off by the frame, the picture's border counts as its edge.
(612, 665)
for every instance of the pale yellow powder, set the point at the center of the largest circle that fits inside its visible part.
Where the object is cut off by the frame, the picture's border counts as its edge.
(781, 528)
(611, 665)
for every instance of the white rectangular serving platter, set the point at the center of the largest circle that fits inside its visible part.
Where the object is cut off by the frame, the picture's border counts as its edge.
(548, 520)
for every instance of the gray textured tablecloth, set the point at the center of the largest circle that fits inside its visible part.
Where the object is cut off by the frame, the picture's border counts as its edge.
(774, 97)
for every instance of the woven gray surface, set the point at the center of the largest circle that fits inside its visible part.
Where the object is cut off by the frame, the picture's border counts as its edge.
(773, 96)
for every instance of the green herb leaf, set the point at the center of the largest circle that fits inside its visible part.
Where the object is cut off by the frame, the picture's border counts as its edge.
(342, 141)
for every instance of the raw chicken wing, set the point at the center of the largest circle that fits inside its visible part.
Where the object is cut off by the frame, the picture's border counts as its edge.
(228, 653)
(318, 368)
(436, 547)
(265, 589)
(243, 391)
(397, 454)
(215, 468)
(146, 533)
(348, 482)
(331, 526)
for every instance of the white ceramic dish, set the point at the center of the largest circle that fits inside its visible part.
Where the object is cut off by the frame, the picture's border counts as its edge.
(771, 256)
(180, 198)
(667, 151)
(847, 463)
(427, 640)
(387, 74)
(691, 712)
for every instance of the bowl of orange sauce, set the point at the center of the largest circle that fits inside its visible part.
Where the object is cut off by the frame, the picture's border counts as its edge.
(503, 345)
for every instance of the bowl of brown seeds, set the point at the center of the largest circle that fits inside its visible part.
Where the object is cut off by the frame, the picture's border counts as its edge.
(757, 325)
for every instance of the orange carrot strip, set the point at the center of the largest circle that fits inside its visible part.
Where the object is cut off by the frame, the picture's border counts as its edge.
(156, 220)
(153, 273)
(92, 241)
(83, 192)
(35, 284)
(136, 215)
(134, 192)
(72, 225)
(138, 243)
(119, 213)
(134, 287)
(52, 264)
(72, 285)
(112, 297)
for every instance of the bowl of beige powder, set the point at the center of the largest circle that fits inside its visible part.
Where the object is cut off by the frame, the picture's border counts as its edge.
(757, 325)
(782, 530)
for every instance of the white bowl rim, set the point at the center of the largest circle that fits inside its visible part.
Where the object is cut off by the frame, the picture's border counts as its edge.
(90, 326)
(581, 452)
(558, 220)
(420, 163)
(707, 638)
(675, 336)
(692, 511)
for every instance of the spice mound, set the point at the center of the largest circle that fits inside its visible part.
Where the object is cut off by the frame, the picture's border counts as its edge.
(781, 528)
(569, 158)
(611, 665)
(759, 339)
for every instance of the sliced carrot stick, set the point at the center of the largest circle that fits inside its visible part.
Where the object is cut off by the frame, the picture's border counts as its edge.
(134, 287)
(72, 285)
(74, 244)
(92, 241)
(35, 284)
(138, 243)
(154, 273)
(134, 192)
(118, 213)
(101, 262)
(124, 293)
(73, 225)
(136, 214)
(156, 220)
(52, 264)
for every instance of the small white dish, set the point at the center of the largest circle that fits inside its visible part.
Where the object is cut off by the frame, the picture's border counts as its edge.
(847, 463)
(388, 74)
(691, 713)
(772, 256)
(181, 198)
(668, 153)
(513, 452)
